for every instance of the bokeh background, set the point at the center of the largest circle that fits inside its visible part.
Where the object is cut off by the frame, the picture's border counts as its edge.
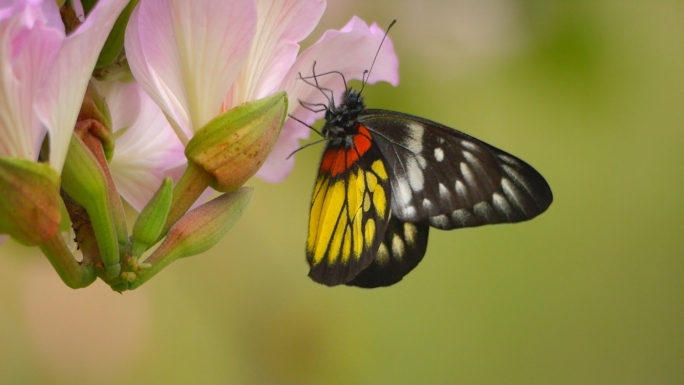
(592, 292)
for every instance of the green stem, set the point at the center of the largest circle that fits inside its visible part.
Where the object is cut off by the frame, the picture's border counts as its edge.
(160, 258)
(94, 144)
(191, 185)
(83, 180)
(74, 274)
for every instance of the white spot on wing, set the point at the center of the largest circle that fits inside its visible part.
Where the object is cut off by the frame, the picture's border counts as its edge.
(511, 193)
(501, 203)
(461, 189)
(468, 175)
(421, 161)
(444, 192)
(463, 216)
(472, 160)
(508, 159)
(439, 154)
(427, 204)
(403, 193)
(484, 210)
(470, 145)
(517, 178)
(439, 221)
(415, 175)
(414, 139)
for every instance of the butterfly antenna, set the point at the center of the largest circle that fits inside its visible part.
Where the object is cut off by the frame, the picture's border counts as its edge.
(305, 146)
(315, 84)
(366, 73)
(302, 122)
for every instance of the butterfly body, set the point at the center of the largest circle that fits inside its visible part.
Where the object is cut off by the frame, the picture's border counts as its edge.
(387, 177)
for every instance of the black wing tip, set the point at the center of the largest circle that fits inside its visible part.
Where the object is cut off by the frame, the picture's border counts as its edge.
(334, 274)
(372, 282)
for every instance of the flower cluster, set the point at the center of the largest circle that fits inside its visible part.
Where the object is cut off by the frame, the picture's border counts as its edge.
(120, 99)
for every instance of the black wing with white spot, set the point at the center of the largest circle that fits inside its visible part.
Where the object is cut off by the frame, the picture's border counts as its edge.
(401, 250)
(451, 179)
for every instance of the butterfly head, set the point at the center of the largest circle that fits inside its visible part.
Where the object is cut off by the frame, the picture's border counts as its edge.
(342, 120)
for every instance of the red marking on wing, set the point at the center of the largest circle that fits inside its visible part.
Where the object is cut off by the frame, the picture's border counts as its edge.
(337, 161)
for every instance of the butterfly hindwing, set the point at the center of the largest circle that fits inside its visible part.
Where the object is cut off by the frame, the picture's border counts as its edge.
(350, 209)
(450, 179)
(402, 248)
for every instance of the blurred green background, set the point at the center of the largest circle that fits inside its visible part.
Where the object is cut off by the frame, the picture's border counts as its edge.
(592, 292)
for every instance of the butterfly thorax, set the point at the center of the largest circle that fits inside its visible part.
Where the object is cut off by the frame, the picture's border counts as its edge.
(341, 122)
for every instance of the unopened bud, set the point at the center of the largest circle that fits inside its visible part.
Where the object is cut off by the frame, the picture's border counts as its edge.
(234, 145)
(29, 208)
(151, 220)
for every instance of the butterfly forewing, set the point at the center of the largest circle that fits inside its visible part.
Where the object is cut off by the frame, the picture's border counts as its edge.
(402, 248)
(350, 209)
(451, 180)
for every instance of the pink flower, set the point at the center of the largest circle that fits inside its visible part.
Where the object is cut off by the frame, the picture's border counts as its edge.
(45, 74)
(147, 150)
(197, 59)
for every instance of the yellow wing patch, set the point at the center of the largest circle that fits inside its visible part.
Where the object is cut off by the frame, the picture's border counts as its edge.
(349, 215)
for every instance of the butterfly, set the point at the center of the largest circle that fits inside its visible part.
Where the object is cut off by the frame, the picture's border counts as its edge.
(386, 177)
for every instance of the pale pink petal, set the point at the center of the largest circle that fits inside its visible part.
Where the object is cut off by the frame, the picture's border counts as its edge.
(277, 165)
(61, 95)
(78, 9)
(186, 54)
(146, 146)
(28, 46)
(281, 25)
(349, 51)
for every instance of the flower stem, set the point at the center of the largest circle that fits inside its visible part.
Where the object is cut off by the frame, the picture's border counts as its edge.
(191, 185)
(74, 274)
(82, 179)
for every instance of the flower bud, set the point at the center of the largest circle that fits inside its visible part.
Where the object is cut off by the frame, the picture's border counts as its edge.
(151, 221)
(196, 232)
(29, 208)
(95, 108)
(234, 145)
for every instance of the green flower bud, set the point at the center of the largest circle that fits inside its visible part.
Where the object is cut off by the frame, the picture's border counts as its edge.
(29, 208)
(151, 221)
(197, 231)
(234, 145)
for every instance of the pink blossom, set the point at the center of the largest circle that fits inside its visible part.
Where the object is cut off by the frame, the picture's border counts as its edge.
(45, 73)
(197, 59)
(147, 150)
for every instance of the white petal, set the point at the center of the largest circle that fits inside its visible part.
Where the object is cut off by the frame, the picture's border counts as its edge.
(281, 25)
(28, 46)
(186, 54)
(147, 147)
(61, 95)
(277, 165)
